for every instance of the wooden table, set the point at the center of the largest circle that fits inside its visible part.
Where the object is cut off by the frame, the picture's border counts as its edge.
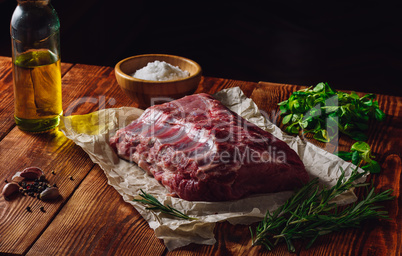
(92, 218)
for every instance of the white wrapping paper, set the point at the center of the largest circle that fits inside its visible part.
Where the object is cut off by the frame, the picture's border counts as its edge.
(92, 133)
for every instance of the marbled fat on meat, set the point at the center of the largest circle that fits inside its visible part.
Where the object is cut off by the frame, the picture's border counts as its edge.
(201, 151)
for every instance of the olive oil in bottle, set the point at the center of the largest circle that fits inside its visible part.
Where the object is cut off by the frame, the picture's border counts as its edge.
(35, 41)
(37, 90)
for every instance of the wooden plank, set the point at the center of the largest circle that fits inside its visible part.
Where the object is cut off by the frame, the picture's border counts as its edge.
(49, 151)
(88, 225)
(212, 85)
(7, 94)
(374, 237)
(89, 88)
(7, 97)
(231, 240)
(96, 221)
(379, 237)
(94, 238)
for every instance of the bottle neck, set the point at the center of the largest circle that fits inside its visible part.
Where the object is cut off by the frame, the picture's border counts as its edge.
(37, 2)
(34, 25)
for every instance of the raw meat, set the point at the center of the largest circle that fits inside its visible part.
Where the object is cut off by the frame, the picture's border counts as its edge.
(201, 151)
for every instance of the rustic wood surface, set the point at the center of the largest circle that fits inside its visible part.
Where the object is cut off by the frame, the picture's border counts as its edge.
(92, 219)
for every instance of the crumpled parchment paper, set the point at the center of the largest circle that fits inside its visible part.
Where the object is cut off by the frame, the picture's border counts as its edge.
(92, 132)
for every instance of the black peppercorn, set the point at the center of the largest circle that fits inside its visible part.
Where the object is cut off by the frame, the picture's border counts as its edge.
(42, 209)
(29, 209)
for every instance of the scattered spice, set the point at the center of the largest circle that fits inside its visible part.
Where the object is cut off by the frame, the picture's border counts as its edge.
(42, 209)
(31, 182)
(33, 189)
(71, 178)
(29, 209)
(6, 181)
(53, 172)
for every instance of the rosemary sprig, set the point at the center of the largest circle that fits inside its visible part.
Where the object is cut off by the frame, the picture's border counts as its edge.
(310, 213)
(155, 205)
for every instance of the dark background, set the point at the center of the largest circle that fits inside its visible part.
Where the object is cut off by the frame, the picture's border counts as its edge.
(350, 45)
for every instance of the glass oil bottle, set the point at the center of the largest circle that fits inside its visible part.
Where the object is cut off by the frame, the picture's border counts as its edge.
(35, 39)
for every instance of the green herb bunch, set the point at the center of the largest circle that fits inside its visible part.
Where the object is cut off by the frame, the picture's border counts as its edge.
(309, 213)
(323, 111)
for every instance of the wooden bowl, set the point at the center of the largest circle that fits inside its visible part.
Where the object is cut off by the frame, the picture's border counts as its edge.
(147, 93)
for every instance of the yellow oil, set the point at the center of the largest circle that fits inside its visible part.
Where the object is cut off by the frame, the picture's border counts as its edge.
(37, 91)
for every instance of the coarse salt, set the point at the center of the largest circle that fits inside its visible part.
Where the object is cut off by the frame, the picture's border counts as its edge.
(160, 71)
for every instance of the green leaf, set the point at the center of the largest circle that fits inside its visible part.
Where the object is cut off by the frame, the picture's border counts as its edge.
(347, 156)
(296, 117)
(356, 158)
(322, 136)
(287, 119)
(379, 114)
(296, 106)
(366, 156)
(330, 109)
(361, 147)
(354, 95)
(283, 103)
(283, 109)
(293, 129)
(369, 96)
(317, 127)
(357, 135)
(303, 124)
(361, 154)
(319, 87)
(329, 90)
(372, 167)
(310, 101)
(300, 93)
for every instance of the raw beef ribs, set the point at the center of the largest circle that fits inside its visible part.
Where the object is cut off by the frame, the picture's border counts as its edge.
(201, 151)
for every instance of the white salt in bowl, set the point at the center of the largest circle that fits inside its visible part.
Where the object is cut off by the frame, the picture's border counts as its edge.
(146, 92)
